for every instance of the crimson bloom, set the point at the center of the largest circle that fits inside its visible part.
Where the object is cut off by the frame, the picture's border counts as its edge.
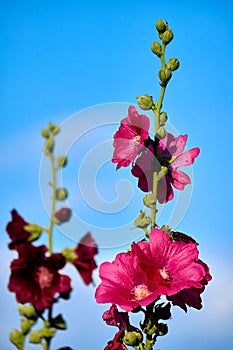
(151, 269)
(170, 154)
(115, 318)
(85, 263)
(129, 139)
(16, 231)
(35, 278)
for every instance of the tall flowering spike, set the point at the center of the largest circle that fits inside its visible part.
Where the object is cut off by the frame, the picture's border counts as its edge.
(170, 154)
(16, 231)
(149, 270)
(35, 278)
(129, 139)
(84, 261)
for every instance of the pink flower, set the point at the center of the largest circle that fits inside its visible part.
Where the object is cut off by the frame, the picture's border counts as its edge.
(35, 278)
(85, 263)
(151, 269)
(170, 154)
(129, 139)
(115, 318)
(117, 342)
(16, 231)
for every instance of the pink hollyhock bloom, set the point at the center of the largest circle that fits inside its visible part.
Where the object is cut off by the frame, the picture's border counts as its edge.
(35, 278)
(151, 269)
(170, 154)
(115, 318)
(129, 139)
(16, 231)
(117, 342)
(85, 263)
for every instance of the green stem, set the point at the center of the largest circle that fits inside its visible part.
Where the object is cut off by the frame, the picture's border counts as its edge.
(157, 109)
(53, 208)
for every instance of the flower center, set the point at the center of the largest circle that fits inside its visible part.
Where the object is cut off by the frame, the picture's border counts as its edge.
(164, 274)
(44, 277)
(141, 291)
(137, 140)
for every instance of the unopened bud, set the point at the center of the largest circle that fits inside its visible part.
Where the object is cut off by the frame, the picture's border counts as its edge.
(62, 215)
(35, 231)
(26, 325)
(142, 221)
(49, 146)
(133, 338)
(61, 161)
(47, 332)
(45, 133)
(35, 337)
(167, 36)
(161, 25)
(149, 200)
(17, 338)
(27, 311)
(61, 194)
(165, 75)
(161, 132)
(156, 48)
(162, 329)
(173, 64)
(162, 118)
(145, 102)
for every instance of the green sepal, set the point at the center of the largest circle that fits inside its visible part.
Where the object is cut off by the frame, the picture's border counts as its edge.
(45, 133)
(69, 254)
(162, 118)
(35, 337)
(26, 325)
(58, 322)
(28, 311)
(61, 161)
(161, 132)
(47, 332)
(149, 200)
(142, 221)
(35, 231)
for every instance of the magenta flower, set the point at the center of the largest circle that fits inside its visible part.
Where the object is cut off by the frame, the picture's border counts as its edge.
(151, 269)
(129, 139)
(115, 318)
(16, 231)
(85, 263)
(117, 342)
(35, 278)
(170, 154)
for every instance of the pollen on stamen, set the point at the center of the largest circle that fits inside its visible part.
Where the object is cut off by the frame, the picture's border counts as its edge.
(141, 291)
(137, 139)
(164, 274)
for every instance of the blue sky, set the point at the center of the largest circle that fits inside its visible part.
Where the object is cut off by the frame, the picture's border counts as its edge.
(59, 59)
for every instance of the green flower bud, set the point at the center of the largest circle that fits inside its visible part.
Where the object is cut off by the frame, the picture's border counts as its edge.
(142, 221)
(17, 338)
(173, 64)
(55, 129)
(156, 48)
(35, 337)
(27, 311)
(61, 194)
(45, 133)
(47, 332)
(26, 325)
(161, 25)
(167, 36)
(145, 102)
(165, 75)
(49, 146)
(35, 231)
(61, 161)
(161, 132)
(149, 200)
(133, 338)
(162, 118)
(69, 254)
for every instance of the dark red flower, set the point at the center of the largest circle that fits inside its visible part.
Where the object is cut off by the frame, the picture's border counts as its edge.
(116, 343)
(16, 231)
(35, 278)
(63, 215)
(129, 139)
(115, 318)
(169, 154)
(85, 263)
